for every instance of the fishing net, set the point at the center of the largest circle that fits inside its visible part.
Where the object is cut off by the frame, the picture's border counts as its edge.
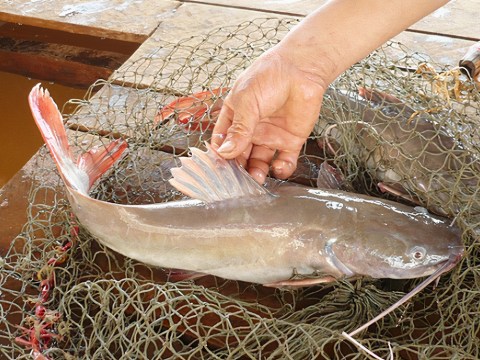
(66, 296)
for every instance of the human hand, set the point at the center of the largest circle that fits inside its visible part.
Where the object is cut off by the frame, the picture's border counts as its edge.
(274, 104)
(268, 114)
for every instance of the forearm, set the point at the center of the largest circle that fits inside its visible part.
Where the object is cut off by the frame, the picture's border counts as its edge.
(342, 32)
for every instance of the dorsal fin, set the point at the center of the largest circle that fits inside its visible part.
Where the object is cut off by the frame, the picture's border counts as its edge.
(208, 177)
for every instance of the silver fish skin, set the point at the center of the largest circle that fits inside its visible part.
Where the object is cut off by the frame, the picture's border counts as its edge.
(235, 229)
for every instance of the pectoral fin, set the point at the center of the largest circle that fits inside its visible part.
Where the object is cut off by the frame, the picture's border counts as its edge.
(329, 177)
(183, 275)
(298, 283)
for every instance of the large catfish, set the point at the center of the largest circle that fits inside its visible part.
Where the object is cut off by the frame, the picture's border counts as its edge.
(236, 229)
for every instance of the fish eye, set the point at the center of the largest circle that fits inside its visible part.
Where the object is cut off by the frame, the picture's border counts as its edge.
(418, 253)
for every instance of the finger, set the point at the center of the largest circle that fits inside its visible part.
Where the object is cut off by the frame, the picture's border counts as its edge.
(242, 159)
(274, 137)
(259, 162)
(285, 164)
(309, 107)
(224, 121)
(243, 123)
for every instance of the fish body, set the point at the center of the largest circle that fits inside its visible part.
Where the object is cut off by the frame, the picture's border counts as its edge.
(236, 229)
(267, 238)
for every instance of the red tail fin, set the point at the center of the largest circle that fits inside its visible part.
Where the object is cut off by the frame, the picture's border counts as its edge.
(189, 110)
(91, 165)
(50, 123)
(98, 160)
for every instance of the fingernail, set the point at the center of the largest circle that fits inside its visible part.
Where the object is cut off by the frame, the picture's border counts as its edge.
(258, 175)
(226, 147)
(281, 168)
(217, 140)
(277, 171)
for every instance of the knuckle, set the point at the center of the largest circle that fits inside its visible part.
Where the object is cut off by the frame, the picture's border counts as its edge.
(240, 127)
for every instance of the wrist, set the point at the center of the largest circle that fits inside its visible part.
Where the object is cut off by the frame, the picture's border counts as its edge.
(315, 64)
(342, 32)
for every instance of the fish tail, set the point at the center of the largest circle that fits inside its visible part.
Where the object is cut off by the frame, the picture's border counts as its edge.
(189, 111)
(97, 161)
(91, 165)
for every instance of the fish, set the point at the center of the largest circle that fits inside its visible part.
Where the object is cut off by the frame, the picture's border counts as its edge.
(234, 228)
(191, 112)
(403, 150)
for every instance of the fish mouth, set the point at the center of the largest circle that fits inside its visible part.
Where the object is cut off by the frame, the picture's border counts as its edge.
(449, 263)
(344, 269)
(454, 258)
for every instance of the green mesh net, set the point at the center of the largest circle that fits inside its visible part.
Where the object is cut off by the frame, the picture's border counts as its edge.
(65, 296)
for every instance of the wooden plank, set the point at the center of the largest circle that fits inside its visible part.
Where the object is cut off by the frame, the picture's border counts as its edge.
(160, 67)
(290, 7)
(118, 111)
(147, 65)
(443, 50)
(115, 111)
(64, 64)
(13, 205)
(457, 18)
(114, 19)
(182, 71)
(26, 32)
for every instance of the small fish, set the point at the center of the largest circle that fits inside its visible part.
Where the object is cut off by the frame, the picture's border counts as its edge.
(235, 229)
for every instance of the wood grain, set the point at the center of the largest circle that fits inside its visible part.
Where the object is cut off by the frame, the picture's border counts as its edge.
(114, 19)
(457, 18)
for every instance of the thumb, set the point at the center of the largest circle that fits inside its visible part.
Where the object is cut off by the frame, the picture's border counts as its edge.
(239, 133)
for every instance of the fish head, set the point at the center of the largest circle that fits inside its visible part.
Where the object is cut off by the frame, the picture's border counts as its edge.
(396, 255)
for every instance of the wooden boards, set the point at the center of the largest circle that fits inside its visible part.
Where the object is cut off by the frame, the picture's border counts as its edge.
(114, 19)
(441, 49)
(146, 66)
(457, 19)
(64, 64)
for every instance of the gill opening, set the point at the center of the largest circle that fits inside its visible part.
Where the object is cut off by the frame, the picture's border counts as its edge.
(336, 261)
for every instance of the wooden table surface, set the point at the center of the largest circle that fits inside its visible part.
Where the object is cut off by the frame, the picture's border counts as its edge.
(444, 35)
